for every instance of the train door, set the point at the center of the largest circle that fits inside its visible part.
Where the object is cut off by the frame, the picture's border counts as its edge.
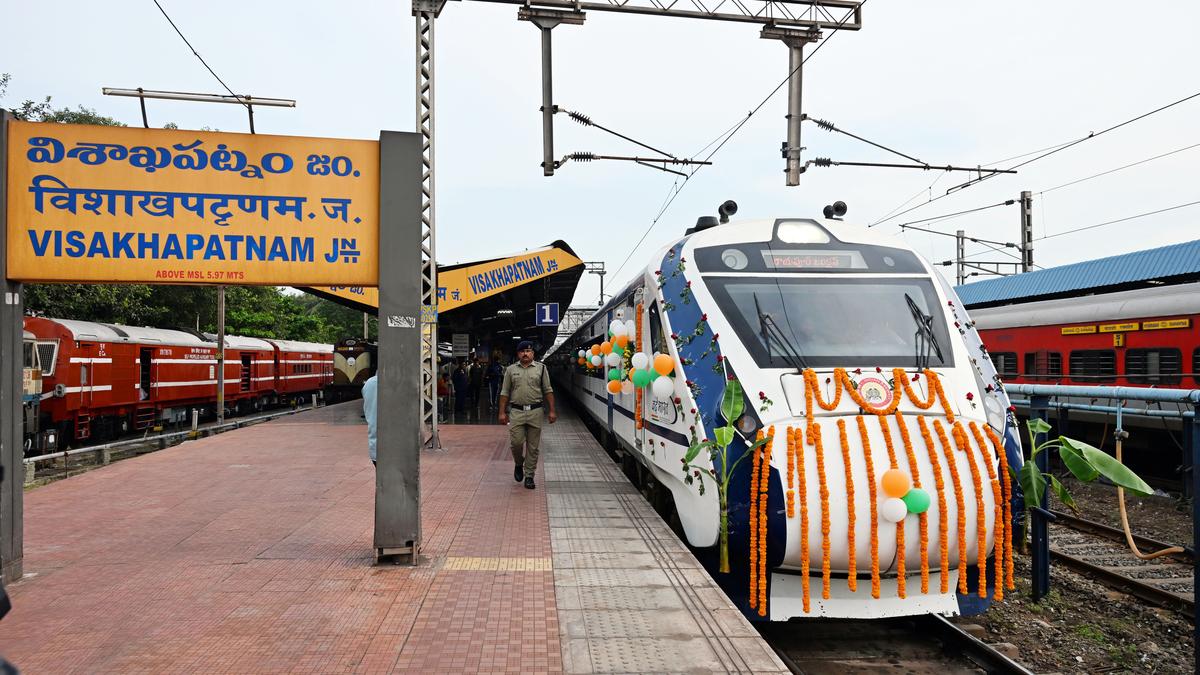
(247, 370)
(145, 375)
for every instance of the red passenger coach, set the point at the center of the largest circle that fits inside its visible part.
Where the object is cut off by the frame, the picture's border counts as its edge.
(101, 380)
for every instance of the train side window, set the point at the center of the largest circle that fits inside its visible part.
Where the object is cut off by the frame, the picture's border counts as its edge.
(47, 356)
(1043, 365)
(1006, 363)
(1093, 365)
(1154, 366)
(658, 341)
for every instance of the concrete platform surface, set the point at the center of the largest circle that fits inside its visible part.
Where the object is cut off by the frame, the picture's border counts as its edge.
(251, 552)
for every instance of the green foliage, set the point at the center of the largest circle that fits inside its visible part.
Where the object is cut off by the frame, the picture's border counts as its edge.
(1085, 462)
(731, 402)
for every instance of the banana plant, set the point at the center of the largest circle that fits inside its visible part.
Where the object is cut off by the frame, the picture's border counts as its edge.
(1084, 461)
(720, 469)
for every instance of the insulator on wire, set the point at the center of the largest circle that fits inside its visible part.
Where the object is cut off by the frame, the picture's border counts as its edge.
(580, 117)
(582, 156)
(823, 124)
(823, 161)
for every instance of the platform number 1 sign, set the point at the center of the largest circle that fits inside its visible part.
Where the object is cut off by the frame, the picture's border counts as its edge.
(547, 313)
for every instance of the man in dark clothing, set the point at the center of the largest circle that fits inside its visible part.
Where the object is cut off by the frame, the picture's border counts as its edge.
(459, 380)
(475, 381)
(495, 373)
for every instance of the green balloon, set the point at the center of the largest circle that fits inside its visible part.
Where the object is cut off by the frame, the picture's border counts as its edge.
(653, 374)
(617, 349)
(614, 374)
(641, 378)
(917, 500)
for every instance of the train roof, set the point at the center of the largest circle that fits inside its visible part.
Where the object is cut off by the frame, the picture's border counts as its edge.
(1159, 301)
(1174, 264)
(107, 332)
(296, 346)
(242, 342)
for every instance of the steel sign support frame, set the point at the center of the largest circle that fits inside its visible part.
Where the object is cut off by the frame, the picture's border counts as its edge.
(12, 449)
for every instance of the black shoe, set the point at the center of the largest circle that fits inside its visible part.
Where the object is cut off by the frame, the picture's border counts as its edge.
(518, 473)
(529, 483)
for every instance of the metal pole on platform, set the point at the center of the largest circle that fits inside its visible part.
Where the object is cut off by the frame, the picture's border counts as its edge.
(960, 249)
(220, 354)
(12, 450)
(1038, 409)
(426, 12)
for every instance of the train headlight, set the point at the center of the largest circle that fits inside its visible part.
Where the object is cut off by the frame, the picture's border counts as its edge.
(747, 424)
(801, 232)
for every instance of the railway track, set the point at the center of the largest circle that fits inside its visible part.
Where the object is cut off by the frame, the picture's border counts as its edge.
(924, 644)
(1100, 551)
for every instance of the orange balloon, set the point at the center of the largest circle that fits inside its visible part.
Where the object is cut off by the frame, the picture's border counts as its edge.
(622, 341)
(896, 483)
(595, 350)
(631, 372)
(582, 360)
(664, 364)
(614, 386)
(606, 347)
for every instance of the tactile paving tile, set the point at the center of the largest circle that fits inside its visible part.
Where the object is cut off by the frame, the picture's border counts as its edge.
(633, 623)
(641, 655)
(464, 563)
(619, 577)
(625, 597)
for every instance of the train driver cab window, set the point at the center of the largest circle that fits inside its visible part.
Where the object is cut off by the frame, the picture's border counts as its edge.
(1154, 366)
(1093, 365)
(658, 341)
(47, 355)
(1006, 363)
(1043, 365)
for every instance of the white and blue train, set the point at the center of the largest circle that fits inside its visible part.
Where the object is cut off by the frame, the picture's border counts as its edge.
(857, 360)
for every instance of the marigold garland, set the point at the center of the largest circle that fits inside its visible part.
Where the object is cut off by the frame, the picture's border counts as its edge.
(823, 489)
(943, 526)
(813, 390)
(959, 502)
(923, 517)
(901, 381)
(964, 444)
(755, 461)
(791, 474)
(852, 564)
(844, 377)
(872, 489)
(803, 499)
(764, 485)
(998, 497)
(901, 585)
(998, 446)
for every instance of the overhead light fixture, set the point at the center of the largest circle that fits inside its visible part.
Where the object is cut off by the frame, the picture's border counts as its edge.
(504, 312)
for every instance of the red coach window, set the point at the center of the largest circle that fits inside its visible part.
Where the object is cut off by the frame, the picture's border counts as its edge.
(1154, 366)
(1043, 365)
(1093, 365)
(1196, 365)
(1006, 363)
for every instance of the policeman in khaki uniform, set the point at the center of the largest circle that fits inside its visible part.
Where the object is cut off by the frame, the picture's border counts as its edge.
(526, 386)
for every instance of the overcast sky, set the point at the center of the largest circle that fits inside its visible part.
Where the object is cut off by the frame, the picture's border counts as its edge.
(946, 82)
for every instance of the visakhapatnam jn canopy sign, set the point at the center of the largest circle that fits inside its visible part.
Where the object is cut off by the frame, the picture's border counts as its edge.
(117, 204)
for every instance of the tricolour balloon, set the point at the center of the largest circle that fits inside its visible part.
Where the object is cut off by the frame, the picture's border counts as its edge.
(893, 510)
(896, 483)
(618, 349)
(640, 361)
(597, 360)
(612, 360)
(595, 349)
(614, 387)
(664, 364)
(631, 328)
(917, 500)
(626, 387)
(582, 360)
(606, 347)
(614, 374)
(622, 341)
(641, 378)
(617, 327)
(663, 387)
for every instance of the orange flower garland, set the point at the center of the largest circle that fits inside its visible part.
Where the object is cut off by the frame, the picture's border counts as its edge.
(803, 498)
(998, 446)
(923, 517)
(844, 377)
(959, 501)
(872, 490)
(791, 474)
(964, 444)
(764, 486)
(812, 390)
(998, 497)
(943, 526)
(901, 581)
(851, 569)
(900, 380)
(824, 493)
(755, 461)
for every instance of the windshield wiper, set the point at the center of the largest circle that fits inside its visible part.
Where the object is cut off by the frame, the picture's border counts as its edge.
(924, 337)
(770, 329)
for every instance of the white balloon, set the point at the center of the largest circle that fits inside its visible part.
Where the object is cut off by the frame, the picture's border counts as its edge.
(663, 387)
(617, 327)
(581, 353)
(596, 360)
(612, 360)
(627, 387)
(893, 509)
(631, 328)
(640, 361)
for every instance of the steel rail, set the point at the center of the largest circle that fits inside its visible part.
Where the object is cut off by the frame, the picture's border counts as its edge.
(1143, 591)
(1118, 535)
(956, 640)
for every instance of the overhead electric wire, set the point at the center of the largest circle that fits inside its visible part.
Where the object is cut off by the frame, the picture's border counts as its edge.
(732, 132)
(1051, 150)
(205, 63)
(1119, 168)
(944, 216)
(1118, 220)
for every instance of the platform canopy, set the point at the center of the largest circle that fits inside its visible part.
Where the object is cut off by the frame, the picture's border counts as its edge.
(491, 301)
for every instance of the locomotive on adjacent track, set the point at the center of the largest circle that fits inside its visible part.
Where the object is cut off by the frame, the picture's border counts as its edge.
(354, 362)
(858, 371)
(103, 380)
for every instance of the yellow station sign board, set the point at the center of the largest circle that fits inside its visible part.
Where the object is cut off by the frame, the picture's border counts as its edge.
(1078, 330)
(118, 204)
(1118, 327)
(463, 285)
(1165, 324)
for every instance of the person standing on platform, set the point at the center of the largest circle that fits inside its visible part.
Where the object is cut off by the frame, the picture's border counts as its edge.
(495, 373)
(459, 380)
(370, 411)
(526, 385)
(475, 381)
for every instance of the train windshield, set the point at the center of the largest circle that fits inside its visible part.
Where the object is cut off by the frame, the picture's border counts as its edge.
(31, 360)
(788, 322)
